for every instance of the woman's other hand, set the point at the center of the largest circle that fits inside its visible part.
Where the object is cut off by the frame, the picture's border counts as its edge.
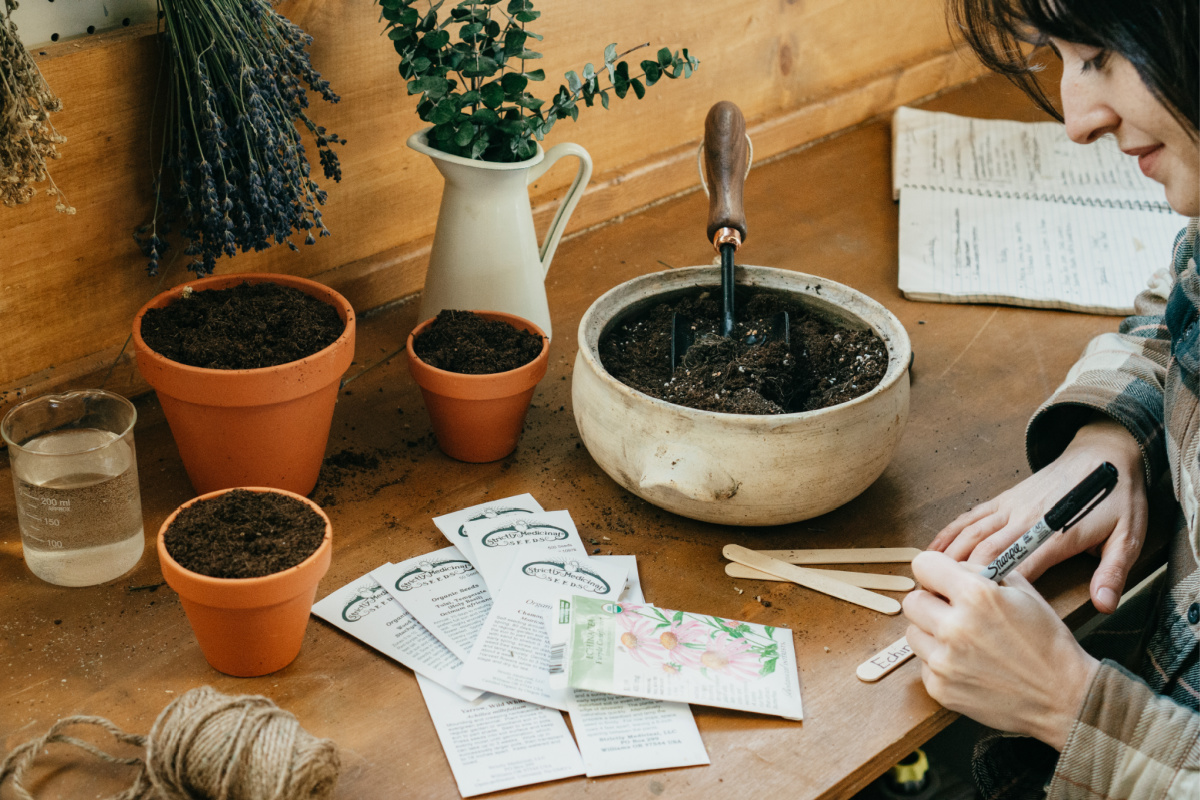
(1115, 530)
(995, 652)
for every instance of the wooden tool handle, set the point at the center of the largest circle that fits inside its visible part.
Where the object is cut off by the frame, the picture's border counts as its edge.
(725, 158)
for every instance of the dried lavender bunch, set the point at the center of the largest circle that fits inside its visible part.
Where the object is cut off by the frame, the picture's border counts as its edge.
(27, 138)
(234, 173)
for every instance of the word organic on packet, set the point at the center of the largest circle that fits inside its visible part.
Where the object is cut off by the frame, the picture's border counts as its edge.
(444, 592)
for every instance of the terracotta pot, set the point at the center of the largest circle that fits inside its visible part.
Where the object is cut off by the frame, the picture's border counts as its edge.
(479, 418)
(250, 427)
(739, 469)
(248, 626)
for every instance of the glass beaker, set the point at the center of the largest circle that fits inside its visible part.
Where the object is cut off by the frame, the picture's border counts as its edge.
(74, 471)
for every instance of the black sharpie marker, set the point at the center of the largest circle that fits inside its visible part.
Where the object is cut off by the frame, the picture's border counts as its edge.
(1076, 505)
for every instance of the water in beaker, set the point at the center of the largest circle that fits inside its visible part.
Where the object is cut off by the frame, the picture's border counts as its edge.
(75, 475)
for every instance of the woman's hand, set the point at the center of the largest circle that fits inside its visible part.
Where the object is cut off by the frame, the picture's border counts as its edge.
(995, 652)
(1115, 530)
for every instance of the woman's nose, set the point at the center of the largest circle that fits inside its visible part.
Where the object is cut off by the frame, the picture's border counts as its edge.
(1087, 116)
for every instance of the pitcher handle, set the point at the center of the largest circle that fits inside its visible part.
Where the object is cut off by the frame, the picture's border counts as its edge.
(568, 203)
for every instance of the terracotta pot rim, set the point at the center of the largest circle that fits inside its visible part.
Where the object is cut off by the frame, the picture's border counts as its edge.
(208, 583)
(502, 316)
(162, 299)
(895, 372)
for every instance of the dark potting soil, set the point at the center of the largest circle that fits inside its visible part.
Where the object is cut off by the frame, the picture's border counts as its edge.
(463, 341)
(243, 534)
(243, 327)
(827, 362)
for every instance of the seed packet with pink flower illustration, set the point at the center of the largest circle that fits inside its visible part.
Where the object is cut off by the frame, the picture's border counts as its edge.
(644, 651)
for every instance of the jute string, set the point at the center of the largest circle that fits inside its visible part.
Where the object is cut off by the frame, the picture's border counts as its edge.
(206, 746)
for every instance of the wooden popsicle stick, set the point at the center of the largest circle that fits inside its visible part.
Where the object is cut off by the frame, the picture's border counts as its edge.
(812, 580)
(884, 661)
(851, 555)
(863, 580)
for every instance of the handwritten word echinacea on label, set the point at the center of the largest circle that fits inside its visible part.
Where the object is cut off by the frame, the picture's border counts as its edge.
(885, 661)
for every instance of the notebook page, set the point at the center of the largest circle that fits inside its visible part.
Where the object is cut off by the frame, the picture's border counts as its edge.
(964, 248)
(1013, 159)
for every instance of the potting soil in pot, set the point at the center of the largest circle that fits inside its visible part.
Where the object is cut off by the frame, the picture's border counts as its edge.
(463, 341)
(243, 327)
(243, 534)
(826, 363)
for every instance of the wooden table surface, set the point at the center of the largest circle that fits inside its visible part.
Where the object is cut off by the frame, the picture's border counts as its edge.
(123, 651)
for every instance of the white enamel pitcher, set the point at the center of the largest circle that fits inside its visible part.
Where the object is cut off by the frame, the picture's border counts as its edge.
(485, 252)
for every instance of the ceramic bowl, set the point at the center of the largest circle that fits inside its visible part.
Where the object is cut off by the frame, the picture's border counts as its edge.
(739, 469)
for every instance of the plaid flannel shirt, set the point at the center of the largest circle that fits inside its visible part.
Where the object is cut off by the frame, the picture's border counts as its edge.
(1137, 735)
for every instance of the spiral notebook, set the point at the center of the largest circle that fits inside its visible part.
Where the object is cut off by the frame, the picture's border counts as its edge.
(997, 211)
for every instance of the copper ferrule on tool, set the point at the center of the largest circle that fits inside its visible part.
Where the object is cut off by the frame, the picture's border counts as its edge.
(727, 236)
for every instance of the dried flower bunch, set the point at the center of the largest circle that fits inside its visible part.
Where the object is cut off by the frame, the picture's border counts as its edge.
(27, 138)
(484, 112)
(234, 173)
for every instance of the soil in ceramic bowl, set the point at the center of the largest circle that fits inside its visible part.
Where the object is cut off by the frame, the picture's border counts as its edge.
(243, 534)
(248, 326)
(463, 341)
(827, 362)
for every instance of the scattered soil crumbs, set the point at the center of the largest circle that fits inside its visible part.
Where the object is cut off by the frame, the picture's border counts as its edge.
(827, 363)
(344, 463)
(243, 534)
(242, 327)
(463, 341)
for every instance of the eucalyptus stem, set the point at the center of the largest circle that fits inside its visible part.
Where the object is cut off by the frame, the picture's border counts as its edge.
(485, 111)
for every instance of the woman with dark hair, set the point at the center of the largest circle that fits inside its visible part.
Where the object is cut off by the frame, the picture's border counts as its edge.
(1126, 726)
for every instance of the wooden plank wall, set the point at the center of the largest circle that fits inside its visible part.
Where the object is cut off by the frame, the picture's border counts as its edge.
(799, 69)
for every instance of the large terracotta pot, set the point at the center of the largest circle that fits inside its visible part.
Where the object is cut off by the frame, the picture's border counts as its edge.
(739, 469)
(479, 418)
(250, 427)
(248, 626)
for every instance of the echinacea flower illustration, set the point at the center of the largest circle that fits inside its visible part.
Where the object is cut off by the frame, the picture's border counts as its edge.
(730, 657)
(640, 640)
(680, 640)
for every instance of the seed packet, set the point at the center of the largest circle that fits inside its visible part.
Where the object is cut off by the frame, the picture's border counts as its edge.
(497, 743)
(511, 657)
(495, 542)
(364, 609)
(451, 525)
(644, 651)
(444, 592)
(630, 734)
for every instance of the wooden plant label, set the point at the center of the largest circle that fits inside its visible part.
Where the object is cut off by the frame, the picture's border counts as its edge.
(884, 661)
(849, 555)
(863, 580)
(812, 579)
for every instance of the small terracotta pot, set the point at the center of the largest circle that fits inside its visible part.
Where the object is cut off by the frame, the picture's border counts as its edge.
(248, 626)
(479, 418)
(250, 427)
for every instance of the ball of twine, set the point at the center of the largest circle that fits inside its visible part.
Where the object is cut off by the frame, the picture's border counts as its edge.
(207, 746)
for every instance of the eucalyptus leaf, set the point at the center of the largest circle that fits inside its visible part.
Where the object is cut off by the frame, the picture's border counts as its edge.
(478, 45)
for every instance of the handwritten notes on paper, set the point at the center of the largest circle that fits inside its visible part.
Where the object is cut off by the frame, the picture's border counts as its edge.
(995, 211)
